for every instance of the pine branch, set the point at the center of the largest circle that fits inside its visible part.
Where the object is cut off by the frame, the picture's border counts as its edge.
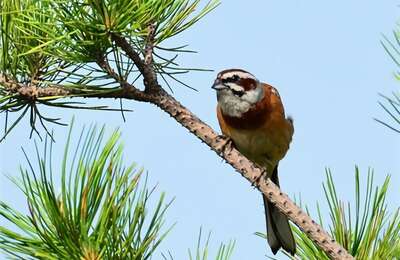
(154, 94)
(32, 92)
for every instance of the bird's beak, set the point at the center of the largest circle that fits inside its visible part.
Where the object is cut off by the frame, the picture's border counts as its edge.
(218, 85)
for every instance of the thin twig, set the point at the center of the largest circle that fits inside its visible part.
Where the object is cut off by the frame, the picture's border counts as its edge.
(150, 81)
(149, 76)
(148, 50)
(128, 49)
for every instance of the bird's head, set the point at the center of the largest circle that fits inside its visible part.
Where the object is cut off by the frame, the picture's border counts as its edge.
(237, 91)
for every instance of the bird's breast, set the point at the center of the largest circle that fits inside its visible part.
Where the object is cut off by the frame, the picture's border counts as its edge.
(260, 145)
(262, 134)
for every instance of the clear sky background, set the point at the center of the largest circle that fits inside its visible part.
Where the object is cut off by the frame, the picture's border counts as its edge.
(325, 59)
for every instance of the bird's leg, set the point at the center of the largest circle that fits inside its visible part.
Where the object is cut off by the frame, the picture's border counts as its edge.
(223, 144)
(267, 167)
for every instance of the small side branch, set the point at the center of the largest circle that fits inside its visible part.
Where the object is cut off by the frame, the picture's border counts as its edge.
(132, 54)
(150, 78)
(32, 92)
(148, 50)
(147, 70)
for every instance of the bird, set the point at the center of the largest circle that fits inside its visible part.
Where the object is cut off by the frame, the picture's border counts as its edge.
(251, 114)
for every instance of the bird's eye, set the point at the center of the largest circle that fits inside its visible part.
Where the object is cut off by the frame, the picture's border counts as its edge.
(235, 78)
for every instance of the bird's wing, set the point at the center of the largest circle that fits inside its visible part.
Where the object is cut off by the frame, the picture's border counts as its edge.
(222, 123)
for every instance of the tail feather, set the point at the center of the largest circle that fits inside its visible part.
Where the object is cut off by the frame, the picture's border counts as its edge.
(279, 234)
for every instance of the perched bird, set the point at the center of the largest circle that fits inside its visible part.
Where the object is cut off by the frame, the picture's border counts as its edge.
(251, 113)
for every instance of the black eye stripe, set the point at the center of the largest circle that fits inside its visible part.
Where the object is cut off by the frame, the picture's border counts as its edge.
(238, 93)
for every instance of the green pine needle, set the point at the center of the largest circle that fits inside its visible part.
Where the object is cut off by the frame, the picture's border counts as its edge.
(101, 211)
(366, 230)
(224, 252)
(61, 42)
(391, 105)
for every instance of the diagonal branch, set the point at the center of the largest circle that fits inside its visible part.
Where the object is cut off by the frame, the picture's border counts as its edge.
(232, 156)
(251, 172)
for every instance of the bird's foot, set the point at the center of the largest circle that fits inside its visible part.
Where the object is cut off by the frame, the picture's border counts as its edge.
(223, 143)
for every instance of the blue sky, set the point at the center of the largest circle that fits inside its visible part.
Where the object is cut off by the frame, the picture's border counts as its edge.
(325, 59)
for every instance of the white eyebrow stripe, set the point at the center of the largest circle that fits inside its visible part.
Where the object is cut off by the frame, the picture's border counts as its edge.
(241, 74)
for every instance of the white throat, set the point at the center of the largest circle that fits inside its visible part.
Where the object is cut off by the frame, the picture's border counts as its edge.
(235, 106)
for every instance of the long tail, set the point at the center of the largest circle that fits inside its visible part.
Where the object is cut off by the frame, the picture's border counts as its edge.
(279, 233)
